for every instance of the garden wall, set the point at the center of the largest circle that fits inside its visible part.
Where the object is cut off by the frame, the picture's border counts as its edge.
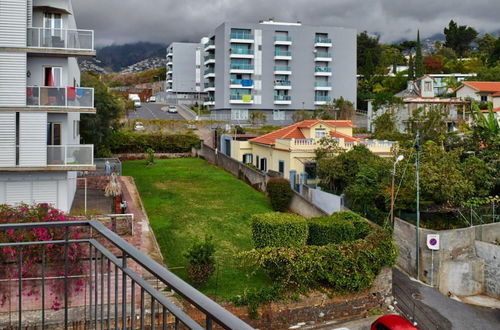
(316, 308)
(138, 156)
(94, 182)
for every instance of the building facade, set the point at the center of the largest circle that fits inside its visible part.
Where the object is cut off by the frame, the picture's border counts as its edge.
(40, 102)
(277, 68)
(184, 61)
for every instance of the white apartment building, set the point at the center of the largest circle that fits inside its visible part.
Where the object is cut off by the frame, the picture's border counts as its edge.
(40, 102)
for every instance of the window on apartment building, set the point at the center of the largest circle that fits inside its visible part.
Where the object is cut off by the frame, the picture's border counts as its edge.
(52, 76)
(239, 114)
(281, 167)
(54, 134)
(53, 24)
(320, 133)
(278, 115)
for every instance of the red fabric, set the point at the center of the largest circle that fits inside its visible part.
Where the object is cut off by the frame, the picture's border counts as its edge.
(29, 91)
(71, 92)
(49, 79)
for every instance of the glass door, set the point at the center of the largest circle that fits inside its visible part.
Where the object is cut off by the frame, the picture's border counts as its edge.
(52, 30)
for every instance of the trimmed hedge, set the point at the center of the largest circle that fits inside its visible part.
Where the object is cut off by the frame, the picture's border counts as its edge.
(278, 230)
(348, 267)
(135, 142)
(280, 193)
(338, 228)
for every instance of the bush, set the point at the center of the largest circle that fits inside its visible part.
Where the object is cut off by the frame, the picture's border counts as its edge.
(338, 228)
(280, 193)
(134, 142)
(151, 156)
(201, 260)
(278, 230)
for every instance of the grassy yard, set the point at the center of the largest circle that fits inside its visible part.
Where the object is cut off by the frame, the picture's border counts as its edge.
(188, 198)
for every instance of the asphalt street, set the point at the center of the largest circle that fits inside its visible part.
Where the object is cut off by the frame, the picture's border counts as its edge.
(152, 111)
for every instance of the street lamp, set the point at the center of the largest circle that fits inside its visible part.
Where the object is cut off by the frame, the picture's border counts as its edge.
(400, 158)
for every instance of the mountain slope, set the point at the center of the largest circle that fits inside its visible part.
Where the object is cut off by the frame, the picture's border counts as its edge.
(118, 57)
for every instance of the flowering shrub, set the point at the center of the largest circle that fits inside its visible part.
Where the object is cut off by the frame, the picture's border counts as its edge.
(32, 256)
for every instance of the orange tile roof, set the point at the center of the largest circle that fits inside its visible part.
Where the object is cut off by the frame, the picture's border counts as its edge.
(494, 110)
(346, 137)
(484, 86)
(294, 132)
(497, 94)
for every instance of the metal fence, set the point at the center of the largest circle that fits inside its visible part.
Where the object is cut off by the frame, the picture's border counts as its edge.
(116, 292)
(104, 167)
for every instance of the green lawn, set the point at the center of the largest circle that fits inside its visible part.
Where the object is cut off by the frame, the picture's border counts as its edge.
(188, 198)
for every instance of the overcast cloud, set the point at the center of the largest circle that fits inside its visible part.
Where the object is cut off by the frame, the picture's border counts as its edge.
(122, 21)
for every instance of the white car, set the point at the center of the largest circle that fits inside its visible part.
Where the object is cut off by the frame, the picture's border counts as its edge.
(137, 104)
(152, 99)
(138, 126)
(172, 109)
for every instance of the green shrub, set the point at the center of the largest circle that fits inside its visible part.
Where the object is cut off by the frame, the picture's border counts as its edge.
(347, 267)
(280, 193)
(338, 228)
(201, 260)
(278, 230)
(135, 142)
(151, 156)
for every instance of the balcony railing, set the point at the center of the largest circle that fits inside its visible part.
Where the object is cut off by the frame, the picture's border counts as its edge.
(61, 39)
(322, 84)
(241, 97)
(209, 57)
(242, 67)
(246, 36)
(322, 98)
(210, 43)
(321, 40)
(100, 279)
(282, 38)
(209, 85)
(63, 97)
(282, 98)
(282, 83)
(327, 55)
(282, 68)
(209, 71)
(242, 51)
(282, 53)
(323, 69)
(70, 155)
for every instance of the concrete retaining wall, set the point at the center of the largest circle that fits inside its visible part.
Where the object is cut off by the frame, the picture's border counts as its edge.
(490, 253)
(302, 206)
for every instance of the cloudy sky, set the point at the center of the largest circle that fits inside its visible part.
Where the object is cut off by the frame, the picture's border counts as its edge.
(122, 21)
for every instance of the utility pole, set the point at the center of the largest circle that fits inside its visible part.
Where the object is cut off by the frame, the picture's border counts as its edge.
(417, 243)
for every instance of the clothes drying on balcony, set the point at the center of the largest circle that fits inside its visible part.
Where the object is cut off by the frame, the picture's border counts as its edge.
(246, 98)
(246, 82)
(71, 93)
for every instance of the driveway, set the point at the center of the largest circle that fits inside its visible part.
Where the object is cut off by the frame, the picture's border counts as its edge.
(433, 310)
(153, 111)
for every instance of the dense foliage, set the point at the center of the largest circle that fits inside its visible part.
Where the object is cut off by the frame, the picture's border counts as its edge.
(338, 228)
(117, 57)
(278, 230)
(134, 142)
(280, 193)
(201, 260)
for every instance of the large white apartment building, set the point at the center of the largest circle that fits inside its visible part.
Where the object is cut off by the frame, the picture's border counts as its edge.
(40, 102)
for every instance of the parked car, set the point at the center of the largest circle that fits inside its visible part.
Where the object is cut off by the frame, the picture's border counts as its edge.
(138, 126)
(137, 104)
(152, 99)
(392, 322)
(172, 109)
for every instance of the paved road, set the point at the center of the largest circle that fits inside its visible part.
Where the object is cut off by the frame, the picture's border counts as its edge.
(152, 111)
(433, 310)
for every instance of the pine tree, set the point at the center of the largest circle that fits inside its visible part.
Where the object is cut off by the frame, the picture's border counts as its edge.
(419, 60)
(411, 69)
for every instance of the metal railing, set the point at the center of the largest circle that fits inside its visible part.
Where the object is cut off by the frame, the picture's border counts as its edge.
(282, 68)
(70, 155)
(242, 51)
(241, 67)
(245, 36)
(282, 83)
(104, 167)
(64, 97)
(60, 39)
(323, 69)
(114, 289)
(282, 38)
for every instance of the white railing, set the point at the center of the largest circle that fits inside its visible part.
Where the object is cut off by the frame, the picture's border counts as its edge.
(64, 97)
(304, 142)
(70, 155)
(60, 39)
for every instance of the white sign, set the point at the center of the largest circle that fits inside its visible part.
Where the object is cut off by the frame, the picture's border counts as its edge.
(433, 241)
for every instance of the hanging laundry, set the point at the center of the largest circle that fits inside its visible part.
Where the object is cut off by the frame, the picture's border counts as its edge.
(246, 98)
(71, 93)
(247, 82)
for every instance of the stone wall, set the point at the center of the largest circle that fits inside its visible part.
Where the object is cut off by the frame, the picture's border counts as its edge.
(138, 156)
(94, 182)
(490, 253)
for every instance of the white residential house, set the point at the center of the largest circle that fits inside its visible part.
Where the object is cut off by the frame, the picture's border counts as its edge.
(40, 102)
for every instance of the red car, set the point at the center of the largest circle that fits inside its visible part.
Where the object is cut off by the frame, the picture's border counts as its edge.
(392, 322)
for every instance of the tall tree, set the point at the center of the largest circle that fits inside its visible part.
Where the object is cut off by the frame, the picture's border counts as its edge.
(459, 37)
(419, 60)
(411, 68)
(368, 53)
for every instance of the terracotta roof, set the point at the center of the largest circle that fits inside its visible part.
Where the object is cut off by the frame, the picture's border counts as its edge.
(346, 137)
(497, 94)
(484, 86)
(494, 110)
(294, 132)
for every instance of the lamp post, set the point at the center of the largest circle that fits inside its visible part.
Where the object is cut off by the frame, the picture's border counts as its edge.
(400, 158)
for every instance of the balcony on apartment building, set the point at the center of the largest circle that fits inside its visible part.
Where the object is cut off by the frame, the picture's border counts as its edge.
(282, 99)
(60, 98)
(321, 100)
(282, 70)
(209, 59)
(283, 40)
(310, 145)
(241, 99)
(322, 57)
(209, 73)
(241, 68)
(98, 280)
(241, 53)
(241, 38)
(322, 42)
(70, 155)
(282, 84)
(209, 87)
(210, 45)
(322, 71)
(323, 86)
(60, 42)
(282, 55)
(209, 101)
(241, 83)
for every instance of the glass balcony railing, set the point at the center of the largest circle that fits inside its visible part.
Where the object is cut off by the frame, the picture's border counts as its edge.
(209, 57)
(234, 97)
(209, 85)
(70, 155)
(323, 69)
(322, 40)
(245, 36)
(323, 55)
(282, 53)
(210, 43)
(209, 71)
(64, 97)
(60, 39)
(282, 83)
(282, 38)
(241, 67)
(241, 51)
(322, 84)
(282, 98)
(282, 68)
(322, 98)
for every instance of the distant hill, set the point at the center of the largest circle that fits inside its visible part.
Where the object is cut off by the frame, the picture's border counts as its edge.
(115, 58)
